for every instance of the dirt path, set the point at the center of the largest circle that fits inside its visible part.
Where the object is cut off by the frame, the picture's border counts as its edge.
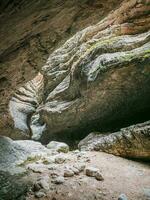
(120, 176)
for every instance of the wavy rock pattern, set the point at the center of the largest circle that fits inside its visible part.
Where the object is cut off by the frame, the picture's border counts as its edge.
(98, 79)
(30, 32)
(24, 103)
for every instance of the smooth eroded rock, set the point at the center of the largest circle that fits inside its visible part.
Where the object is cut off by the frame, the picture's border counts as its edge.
(58, 146)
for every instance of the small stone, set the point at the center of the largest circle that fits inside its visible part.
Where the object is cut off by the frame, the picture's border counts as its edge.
(68, 172)
(75, 170)
(37, 168)
(76, 151)
(122, 197)
(147, 192)
(52, 167)
(40, 194)
(99, 177)
(59, 159)
(54, 174)
(36, 187)
(80, 167)
(58, 146)
(91, 171)
(48, 160)
(59, 180)
(44, 184)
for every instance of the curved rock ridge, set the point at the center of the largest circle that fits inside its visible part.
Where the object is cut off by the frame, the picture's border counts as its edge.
(30, 32)
(24, 103)
(98, 80)
(130, 142)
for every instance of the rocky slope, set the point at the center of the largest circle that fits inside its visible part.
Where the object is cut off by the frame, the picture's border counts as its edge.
(29, 171)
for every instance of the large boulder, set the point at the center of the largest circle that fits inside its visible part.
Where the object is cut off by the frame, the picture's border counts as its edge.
(13, 182)
(130, 142)
(12, 187)
(13, 153)
(17, 160)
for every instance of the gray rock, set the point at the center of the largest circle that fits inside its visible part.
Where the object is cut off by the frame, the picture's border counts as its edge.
(79, 166)
(122, 143)
(52, 167)
(17, 154)
(99, 177)
(147, 193)
(91, 171)
(58, 146)
(59, 159)
(44, 183)
(68, 172)
(15, 158)
(76, 151)
(59, 180)
(75, 170)
(36, 187)
(37, 168)
(122, 197)
(12, 187)
(36, 127)
(48, 160)
(39, 194)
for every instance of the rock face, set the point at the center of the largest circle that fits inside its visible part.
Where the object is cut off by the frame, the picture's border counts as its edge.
(13, 154)
(30, 31)
(130, 142)
(12, 187)
(98, 80)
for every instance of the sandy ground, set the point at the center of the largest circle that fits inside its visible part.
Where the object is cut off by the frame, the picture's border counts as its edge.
(120, 176)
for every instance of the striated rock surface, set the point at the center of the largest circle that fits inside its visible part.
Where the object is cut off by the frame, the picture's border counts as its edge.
(98, 80)
(30, 31)
(130, 142)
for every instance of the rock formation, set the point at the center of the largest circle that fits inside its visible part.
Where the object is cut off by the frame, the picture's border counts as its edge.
(130, 142)
(98, 80)
(30, 31)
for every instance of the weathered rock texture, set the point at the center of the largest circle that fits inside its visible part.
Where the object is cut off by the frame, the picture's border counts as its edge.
(98, 79)
(130, 142)
(30, 31)
(14, 183)
(28, 166)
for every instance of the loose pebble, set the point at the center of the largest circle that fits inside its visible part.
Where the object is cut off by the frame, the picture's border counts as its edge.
(122, 197)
